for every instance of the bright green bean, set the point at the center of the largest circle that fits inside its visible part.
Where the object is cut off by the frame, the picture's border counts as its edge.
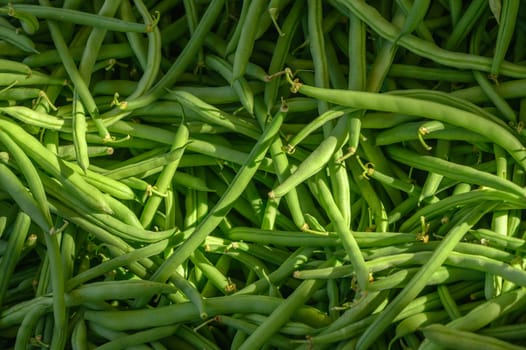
(18, 40)
(315, 161)
(405, 105)
(183, 60)
(507, 20)
(16, 189)
(166, 175)
(240, 85)
(216, 214)
(419, 280)
(446, 337)
(13, 251)
(29, 172)
(279, 56)
(247, 38)
(282, 313)
(455, 171)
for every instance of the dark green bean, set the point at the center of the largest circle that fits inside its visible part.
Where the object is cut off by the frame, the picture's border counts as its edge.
(79, 17)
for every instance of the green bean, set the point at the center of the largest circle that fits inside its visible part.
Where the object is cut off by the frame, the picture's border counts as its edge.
(165, 176)
(433, 210)
(30, 174)
(10, 66)
(470, 17)
(60, 321)
(54, 165)
(315, 161)
(290, 328)
(442, 276)
(117, 290)
(380, 161)
(141, 337)
(410, 131)
(216, 214)
(213, 115)
(28, 22)
(249, 327)
(283, 312)
(145, 167)
(412, 323)
(277, 61)
(412, 106)
(371, 172)
(422, 48)
(122, 260)
(18, 40)
(507, 332)
(383, 60)
(79, 336)
(27, 326)
(418, 72)
(67, 152)
(417, 283)
(284, 270)
(415, 16)
(13, 251)
(489, 265)
(101, 333)
(454, 171)
(314, 124)
(183, 60)
(234, 39)
(247, 38)
(71, 68)
(194, 338)
(151, 70)
(346, 237)
(35, 118)
(347, 332)
(79, 133)
(12, 185)
(446, 337)
(135, 40)
(240, 85)
(94, 42)
(223, 264)
(175, 313)
(48, 57)
(507, 20)
(214, 94)
(449, 303)
(483, 82)
(492, 238)
(215, 276)
(82, 18)
(378, 120)
(282, 169)
(317, 49)
(485, 313)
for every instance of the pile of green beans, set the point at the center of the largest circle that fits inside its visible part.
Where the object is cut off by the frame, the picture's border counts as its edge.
(264, 174)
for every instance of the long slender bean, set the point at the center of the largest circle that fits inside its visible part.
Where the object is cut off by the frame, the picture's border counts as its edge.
(419, 280)
(405, 105)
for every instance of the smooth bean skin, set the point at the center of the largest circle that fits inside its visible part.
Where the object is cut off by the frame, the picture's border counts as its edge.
(16, 189)
(422, 48)
(411, 106)
(419, 280)
(79, 17)
(166, 315)
(445, 337)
